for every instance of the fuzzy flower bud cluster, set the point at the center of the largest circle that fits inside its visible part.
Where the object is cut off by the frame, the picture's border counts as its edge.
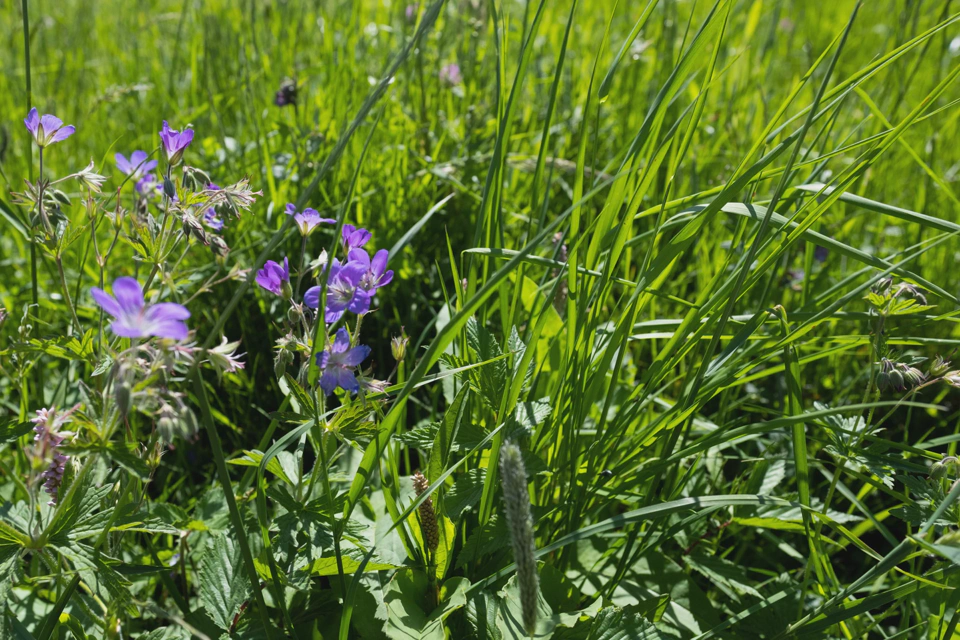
(516, 499)
(898, 376)
(428, 517)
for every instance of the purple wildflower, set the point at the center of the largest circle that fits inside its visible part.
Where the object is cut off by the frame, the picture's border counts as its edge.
(46, 445)
(174, 142)
(354, 238)
(376, 274)
(137, 166)
(343, 291)
(275, 279)
(47, 129)
(149, 185)
(307, 219)
(132, 318)
(337, 362)
(411, 12)
(450, 74)
(287, 94)
(211, 220)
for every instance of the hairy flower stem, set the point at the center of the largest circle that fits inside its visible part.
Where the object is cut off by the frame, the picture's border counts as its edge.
(516, 499)
(34, 284)
(66, 293)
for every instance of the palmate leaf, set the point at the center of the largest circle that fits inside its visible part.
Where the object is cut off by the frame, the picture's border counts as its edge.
(549, 619)
(411, 612)
(420, 437)
(491, 377)
(464, 494)
(223, 587)
(616, 623)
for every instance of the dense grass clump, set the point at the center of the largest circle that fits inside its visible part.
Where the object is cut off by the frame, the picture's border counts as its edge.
(479, 319)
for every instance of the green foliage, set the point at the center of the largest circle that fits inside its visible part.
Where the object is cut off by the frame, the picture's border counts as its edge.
(695, 259)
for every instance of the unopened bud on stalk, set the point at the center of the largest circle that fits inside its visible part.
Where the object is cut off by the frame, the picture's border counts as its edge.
(516, 499)
(428, 518)
(938, 367)
(219, 246)
(294, 313)
(123, 388)
(938, 470)
(398, 346)
(169, 189)
(281, 362)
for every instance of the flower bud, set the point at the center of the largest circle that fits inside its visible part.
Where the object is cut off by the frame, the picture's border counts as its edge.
(169, 189)
(938, 470)
(280, 363)
(294, 313)
(167, 423)
(192, 227)
(286, 291)
(123, 389)
(219, 246)
(398, 346)
(939, 367)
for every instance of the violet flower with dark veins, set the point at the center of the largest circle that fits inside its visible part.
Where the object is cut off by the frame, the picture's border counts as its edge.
(354, 238)
(276, 279)
(175, 142)
(47, 129)
(343, 291)
(376, 274)
(133, 318)
(338, 361)
(307, 219)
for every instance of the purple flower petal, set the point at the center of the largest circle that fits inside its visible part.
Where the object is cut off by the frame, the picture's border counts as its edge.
(360, 303)
(379, 263)
(129, 295)
(50, 123)
(127, 327)
(355, 356)
(63, 133)
(352, 272)
(312, 297)
(106, 302)
(328, 381)
(32, 121)
(173, 329)
(164, 311)
(124, 165)
(341, 341)
(347, 381)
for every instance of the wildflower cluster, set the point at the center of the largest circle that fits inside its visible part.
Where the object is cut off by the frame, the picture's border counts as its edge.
(347, 285)
(151, 346)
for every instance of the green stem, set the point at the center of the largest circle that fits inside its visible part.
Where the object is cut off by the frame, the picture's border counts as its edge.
(326, 487)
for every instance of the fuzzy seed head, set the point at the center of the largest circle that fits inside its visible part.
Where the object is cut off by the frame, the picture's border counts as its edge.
(428, 517)
(516, 499)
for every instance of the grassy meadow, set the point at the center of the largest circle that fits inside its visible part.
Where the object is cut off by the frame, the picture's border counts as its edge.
(665, 351)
